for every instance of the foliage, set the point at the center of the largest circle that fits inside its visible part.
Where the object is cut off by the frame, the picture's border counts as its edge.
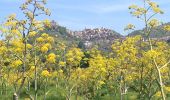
(35, 66)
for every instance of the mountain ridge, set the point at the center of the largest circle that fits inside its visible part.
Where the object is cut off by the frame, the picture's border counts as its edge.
(157, 32)
(102, 37)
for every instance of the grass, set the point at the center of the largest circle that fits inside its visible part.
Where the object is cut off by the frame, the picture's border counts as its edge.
(59, 94)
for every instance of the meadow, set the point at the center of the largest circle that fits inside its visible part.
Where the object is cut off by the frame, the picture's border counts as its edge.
(33, 66)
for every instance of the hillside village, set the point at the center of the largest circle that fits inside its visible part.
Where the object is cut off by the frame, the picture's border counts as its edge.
(101, 36)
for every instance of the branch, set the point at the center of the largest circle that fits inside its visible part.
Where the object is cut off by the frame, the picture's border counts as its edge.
(165, 65)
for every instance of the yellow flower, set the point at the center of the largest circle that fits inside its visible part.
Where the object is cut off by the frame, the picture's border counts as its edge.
(152, 54)
(4, 30)
(137, 13)
(129, 78)
(61, 63)
(32, 34)
(153, 4)
(158, 94)
(41, 29)
(18, 50)
(103, 69)
(154, 23)
(155, 7)
(47, 23)
(48, 45)
(74, 56)
(44, 49)
(1, 43)
(50, 39)
(167, 89)
(101, 82)
(23, 6)
(133, 6)
(11, 23)
(30, 15)
(32, 68)
(51, 58)
(45, 73)
(17, 63)
(129, 27)
(29, 46)
(83, 76)
(40, 39)
(3, 49)
(157, 10)
(44, 35)
(27, 99)
(55, 73)
(52, 55)
(60, 71)
(166, 27)
(14, 31)
(47, 11)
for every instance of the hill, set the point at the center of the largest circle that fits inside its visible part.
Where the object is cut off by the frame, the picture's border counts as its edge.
(85, 39)
(157, 33)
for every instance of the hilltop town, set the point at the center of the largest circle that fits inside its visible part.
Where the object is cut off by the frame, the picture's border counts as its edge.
(101, 37)
(89, 37)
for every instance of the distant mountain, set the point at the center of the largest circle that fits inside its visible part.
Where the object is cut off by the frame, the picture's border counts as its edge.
(86, 38)
(157, 33)
(61, 34)
(101, 37)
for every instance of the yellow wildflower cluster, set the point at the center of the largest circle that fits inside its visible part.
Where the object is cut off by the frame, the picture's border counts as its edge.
(129, 27)
(15, 31)
(32, 34)
(18, 46)
(158, 94)
(137, 11)
(155, 7)
(47, 23)
(154, 23)
(167, 89)
(51, 58)
(127, 49)
(45, 42)
(17, 63)
(40, 39)
(45, 38)
(45, 73)
(3, 49)
(74, 56)
(29, 46)
(166, 27)
(44, 49)
(99, 63)
(28, 58)
(152, 54)
(61, 63)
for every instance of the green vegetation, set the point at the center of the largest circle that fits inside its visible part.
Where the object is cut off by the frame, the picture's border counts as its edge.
(41, 62)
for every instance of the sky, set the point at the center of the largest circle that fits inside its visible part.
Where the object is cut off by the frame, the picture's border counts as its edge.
(80, 14)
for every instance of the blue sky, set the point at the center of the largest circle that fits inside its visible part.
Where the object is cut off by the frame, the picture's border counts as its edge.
(80, 14)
